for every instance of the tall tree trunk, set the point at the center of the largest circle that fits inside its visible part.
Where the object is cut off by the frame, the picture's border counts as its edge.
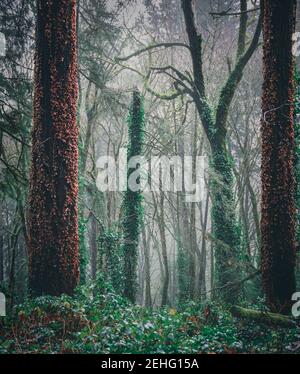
(225, 226)
(183, 231)
(202, 270)
(1, 249)
(53, 224)
(93, 245)
(297, 173)
(166, 281)
(212, 268)
(133, 200)
(278, 202)
(148, 298)
(192, 254)
(193, 230)
(12, 273)
(13, 259)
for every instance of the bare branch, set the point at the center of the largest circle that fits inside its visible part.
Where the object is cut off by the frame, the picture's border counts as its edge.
(233, 80)
(179, 81)
(150, 47)
(228, 13)
(242, 29)
(164, 96)
(176, 71)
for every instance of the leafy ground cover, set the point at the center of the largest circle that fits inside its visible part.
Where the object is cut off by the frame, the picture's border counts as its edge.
(97, 321)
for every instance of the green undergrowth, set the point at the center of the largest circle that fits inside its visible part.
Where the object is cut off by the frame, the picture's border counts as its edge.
(100, 321)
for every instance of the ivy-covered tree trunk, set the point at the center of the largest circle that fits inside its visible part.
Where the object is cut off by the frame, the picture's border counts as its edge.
(133, 200)
(1, 253)
(278, 192)
(226, 232)
(110, 259)
(182, 260)
(297, 171)
(53, 225)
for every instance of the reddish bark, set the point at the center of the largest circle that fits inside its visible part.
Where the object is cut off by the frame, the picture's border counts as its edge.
(278, 206)
(53, 226)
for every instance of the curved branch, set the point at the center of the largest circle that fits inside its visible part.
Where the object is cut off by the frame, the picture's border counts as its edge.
(178, 82)
(234, 79)
(150, 47)
(164, 96)
(228, 13)
(195, 42)
(176, 71)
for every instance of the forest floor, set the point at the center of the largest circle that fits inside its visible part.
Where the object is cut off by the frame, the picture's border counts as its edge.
(106, 323)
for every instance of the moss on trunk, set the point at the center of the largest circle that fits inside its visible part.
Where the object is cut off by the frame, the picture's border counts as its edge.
(53, 224)
(273, 319)
(226, 231)
(133, 200)
(278, 184)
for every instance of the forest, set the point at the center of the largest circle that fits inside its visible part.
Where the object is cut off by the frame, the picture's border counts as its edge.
(149, 177)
